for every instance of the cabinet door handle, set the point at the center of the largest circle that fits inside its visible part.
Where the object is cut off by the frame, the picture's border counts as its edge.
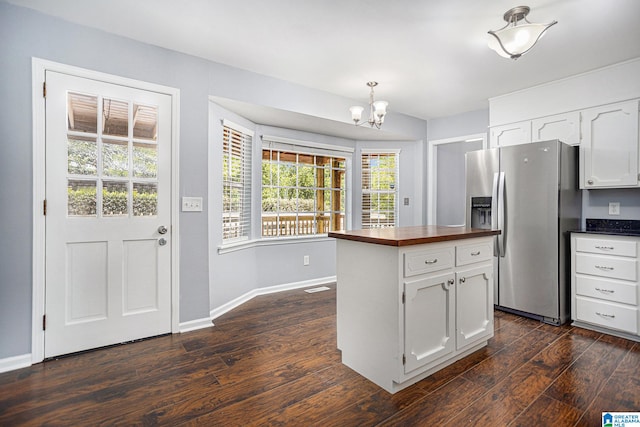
(605, 291)
(610, 316)
(450, 282)
(433, 261)
(605, 248)
(604, 267)
(590, 182)
(462, 280)
(475, 253)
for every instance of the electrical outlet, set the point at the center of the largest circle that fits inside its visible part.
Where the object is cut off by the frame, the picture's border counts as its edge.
(305, 260)
(614, 208)
(192, 204)
(406, 201)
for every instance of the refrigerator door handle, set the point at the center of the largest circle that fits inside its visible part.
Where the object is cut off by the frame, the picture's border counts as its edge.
(494, 211)
(501, 215)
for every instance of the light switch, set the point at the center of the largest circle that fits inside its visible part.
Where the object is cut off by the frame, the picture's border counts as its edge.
(192, 204)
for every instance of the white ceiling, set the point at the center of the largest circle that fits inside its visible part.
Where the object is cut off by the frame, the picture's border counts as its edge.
(430, 56)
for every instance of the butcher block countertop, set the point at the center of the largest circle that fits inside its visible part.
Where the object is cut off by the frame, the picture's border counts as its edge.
(407, 236)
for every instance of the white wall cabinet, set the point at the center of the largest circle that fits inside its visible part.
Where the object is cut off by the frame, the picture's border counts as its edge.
(565, 127)
(609, 148)
(406, 312)
(511, 134)
(605, 273)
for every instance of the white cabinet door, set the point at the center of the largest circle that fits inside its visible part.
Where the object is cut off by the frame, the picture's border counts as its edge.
(511, 134)
(565, 127)
(609, 149)
(474, 305)
(428, 320)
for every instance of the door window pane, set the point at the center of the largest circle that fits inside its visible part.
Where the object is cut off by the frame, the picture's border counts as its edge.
(115, 117)
(145, 160)
(82, 156)
(145, 122)
(145, 199)
(81, 198)
(115, 158)
(115, 198)
(82, 113)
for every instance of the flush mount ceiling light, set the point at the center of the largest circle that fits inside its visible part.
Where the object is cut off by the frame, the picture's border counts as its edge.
(515, 39)
(377, 110)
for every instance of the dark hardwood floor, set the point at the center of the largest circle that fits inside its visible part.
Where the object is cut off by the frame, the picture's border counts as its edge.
(274, 361)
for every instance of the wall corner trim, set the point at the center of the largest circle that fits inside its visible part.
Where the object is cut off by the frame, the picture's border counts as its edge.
(15, 362)
(225, 308)
(193, 325)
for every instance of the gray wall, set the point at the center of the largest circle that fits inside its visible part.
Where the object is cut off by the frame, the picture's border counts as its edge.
(595, 203)
(26, 34)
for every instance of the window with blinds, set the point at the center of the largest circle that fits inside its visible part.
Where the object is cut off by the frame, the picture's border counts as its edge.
(379, 189)
(303, 191)
(236, 182)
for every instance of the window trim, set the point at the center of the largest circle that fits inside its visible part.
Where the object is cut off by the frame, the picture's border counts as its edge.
(271, 142)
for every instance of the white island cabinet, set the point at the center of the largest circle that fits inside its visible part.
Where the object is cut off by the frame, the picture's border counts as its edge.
(412, 300)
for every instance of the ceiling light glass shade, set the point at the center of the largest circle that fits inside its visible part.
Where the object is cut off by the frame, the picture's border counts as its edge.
(514, 39)
(356, 113)
(380, 109)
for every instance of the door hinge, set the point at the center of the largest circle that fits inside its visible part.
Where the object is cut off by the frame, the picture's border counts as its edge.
(44, 207)
(44, 322)
(403, 297)
(44, 89)
(404, 359)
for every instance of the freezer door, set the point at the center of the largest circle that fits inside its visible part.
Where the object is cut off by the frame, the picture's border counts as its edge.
(529, 270)
(481, 166)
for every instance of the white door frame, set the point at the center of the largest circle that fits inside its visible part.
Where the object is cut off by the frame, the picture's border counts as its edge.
(432, 168)
(38, 68)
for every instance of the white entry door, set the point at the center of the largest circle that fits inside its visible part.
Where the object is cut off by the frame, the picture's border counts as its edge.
(108, 214)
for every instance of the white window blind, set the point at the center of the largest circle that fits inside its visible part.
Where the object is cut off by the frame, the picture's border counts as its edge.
(379, 189)
(236, 182)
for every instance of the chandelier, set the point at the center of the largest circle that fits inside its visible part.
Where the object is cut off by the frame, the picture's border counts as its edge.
(514, 39)
(377, 110)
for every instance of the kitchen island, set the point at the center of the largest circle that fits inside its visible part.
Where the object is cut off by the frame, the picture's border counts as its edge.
(412, 300)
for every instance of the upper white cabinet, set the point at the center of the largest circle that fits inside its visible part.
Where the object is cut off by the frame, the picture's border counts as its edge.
(565, 127)
(609, 148)
(511, 134)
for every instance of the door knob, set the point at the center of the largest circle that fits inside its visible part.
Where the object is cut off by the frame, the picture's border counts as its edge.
(162, 229)
(162, 241)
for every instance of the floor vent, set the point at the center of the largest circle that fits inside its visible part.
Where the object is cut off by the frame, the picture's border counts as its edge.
(314, 290)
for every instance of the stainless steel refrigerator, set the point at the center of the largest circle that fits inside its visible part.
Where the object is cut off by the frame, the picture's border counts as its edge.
(530, 193)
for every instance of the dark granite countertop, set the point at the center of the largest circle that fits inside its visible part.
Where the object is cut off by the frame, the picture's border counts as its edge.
(619, 227)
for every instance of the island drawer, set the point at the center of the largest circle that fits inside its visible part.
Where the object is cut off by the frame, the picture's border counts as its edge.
(606, 289)
(427, 261)
(607, 314)
(607, 266)
(469, 254)
(605, 246)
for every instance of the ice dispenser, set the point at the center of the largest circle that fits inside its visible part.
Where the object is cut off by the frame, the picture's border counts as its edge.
(481, 212)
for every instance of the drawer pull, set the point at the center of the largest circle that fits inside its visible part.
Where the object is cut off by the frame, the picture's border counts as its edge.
(605, 248)
(433, 261)
(604, 267)
(605, 291)
(610, 316)
(475, 253)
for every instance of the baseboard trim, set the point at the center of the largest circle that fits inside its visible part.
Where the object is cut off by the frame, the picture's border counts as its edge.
(193, 325)
(15, 362)
(219, 311)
